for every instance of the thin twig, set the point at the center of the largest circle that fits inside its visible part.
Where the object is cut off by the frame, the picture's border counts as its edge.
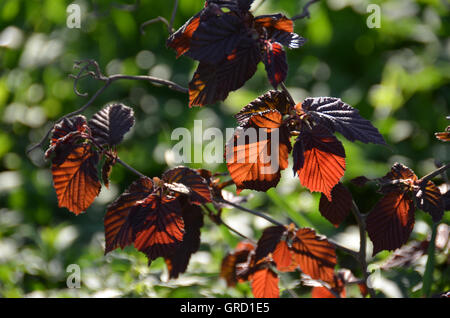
(168, 24)
(218, 220)
(284, 88)
(262, 215)
(126, 165)
(172, 18)
(305, 13)
(362, 245)
(434, 173)
(108, 80)
(344, 249)
(237, 232)
(154, 20)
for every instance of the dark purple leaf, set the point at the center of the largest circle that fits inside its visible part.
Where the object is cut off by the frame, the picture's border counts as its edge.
(340, 205)
(110, 124)
(274, 59)
(215, 38)
(268, 241)
(177, 263)
(336, 115)
(212, 83)
(429, 199)
(391, 221)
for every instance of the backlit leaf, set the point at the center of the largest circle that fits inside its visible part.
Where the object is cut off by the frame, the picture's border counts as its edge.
(117, 231)
(212, 83)
(336, 115)
(283, 257)
(268, 241)
(158, 225)
(64, 135)
(265, 283)
(274, 59)
(314, 254)
(275, 21)
(180, 40)
(324, 160)
(443, 136)
(406, 256)
(193, 220)
(200, 192)
(215, 38)
(391, 221)
(255, 160)
(429, 199)
(110, 124)
(272, 100)
(76, 180)
(236, 265)
(340, 205)
(106, 170)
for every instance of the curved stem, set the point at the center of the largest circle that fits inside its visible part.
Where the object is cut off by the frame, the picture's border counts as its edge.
(305, 12)
(108, 81)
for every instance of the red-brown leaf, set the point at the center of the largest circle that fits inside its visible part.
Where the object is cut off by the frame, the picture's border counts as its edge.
(265, 283)
(212, 83)
(177, 263)
(64, 135)
(76, 180)
(324, 160)
(276, 21)
(274, 59)
(115, 233)
(391, 221)
(200, 191)
(429, 199)
(250, 161)
(340, 205)
(443, 136)
(323, 292)
(106, 170)
(158, 225)
(407, 255)
(235, 266)
(268, 241)
(314, 254)
(181, 39)
(284, 258)
(272, 100)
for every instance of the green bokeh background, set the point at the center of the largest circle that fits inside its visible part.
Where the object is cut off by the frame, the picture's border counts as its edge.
(397, 75)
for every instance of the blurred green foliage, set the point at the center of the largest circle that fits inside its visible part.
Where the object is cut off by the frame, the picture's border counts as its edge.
(397, 75)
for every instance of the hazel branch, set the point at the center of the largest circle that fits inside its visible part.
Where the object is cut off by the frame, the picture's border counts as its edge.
(108, 80)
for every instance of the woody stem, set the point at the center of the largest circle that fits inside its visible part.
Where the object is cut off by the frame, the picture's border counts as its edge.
(361, 256)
